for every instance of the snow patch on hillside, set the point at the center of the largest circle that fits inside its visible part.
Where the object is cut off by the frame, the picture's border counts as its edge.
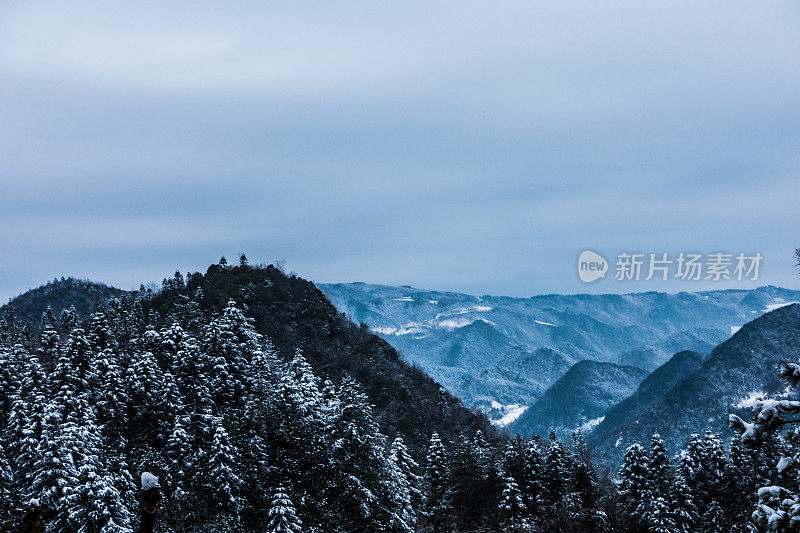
(452, 323)
(411, 327)
(590, 425)
(749, 401)
(512, 412)
(777, 304)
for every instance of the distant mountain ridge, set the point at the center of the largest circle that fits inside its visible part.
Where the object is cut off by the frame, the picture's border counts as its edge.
(492, 350)
(579, 399)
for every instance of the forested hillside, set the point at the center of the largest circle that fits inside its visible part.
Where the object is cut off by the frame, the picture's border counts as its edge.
(579, 399)
(59, 294)
(650, 391)
(261, 408)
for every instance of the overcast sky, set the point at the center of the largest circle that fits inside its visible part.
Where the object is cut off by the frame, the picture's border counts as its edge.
(476, 147)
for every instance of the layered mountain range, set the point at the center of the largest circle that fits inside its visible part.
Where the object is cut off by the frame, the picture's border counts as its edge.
(501, 354)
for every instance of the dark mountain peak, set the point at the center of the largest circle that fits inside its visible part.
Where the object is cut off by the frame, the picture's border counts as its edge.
(580, 398)
(62, 293)
(650, 390)
(295, 314)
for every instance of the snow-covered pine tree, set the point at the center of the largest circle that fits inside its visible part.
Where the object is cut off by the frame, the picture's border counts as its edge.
(7, 496)
(660, 474)
(659, 519)
(53, 471)
(223, 479)
(48, 341)
(24, 430)
(533, 482)
(408, 467)
(9, 381)
(149, 402)
(512, 509)
(738, 492)
(437, 505)
(368, 489)
(633, 484)
(93, 503)
(714, 520)
(282, 516)
(557, 479)
(68, 320)
(230, 341)
(778, 506)
(584, 480)
(682, 507)
(112, 399)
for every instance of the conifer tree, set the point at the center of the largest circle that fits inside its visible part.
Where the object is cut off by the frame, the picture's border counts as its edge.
(660, 474)
(659, 519)
(408, 468)
(557, 478)
(7, 496)
(682, 507)
(512, 507)
(633, 482)
(282, 516)
(533, 483)
(224, 483)
(436, 496)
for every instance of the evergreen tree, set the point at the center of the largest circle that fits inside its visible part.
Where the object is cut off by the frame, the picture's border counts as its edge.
(739, 484)
(282, 516)
(659, 518)
(223, 481)
(557, 473)
(408, 468)
(682, 507)
(533, 482)
(633, 483)
(512, 507)
(437, 507)
(584, 483)
(7, 498)
(660, 474)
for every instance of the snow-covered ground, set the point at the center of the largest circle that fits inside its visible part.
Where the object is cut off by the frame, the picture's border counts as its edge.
(777, 304)
(590, 425)
(512, 412)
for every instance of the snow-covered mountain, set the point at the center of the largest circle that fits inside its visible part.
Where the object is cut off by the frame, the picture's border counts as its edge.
(500, 351)
(579, 399)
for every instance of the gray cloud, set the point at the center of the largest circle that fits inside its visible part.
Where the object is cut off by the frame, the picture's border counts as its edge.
(463, 147)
